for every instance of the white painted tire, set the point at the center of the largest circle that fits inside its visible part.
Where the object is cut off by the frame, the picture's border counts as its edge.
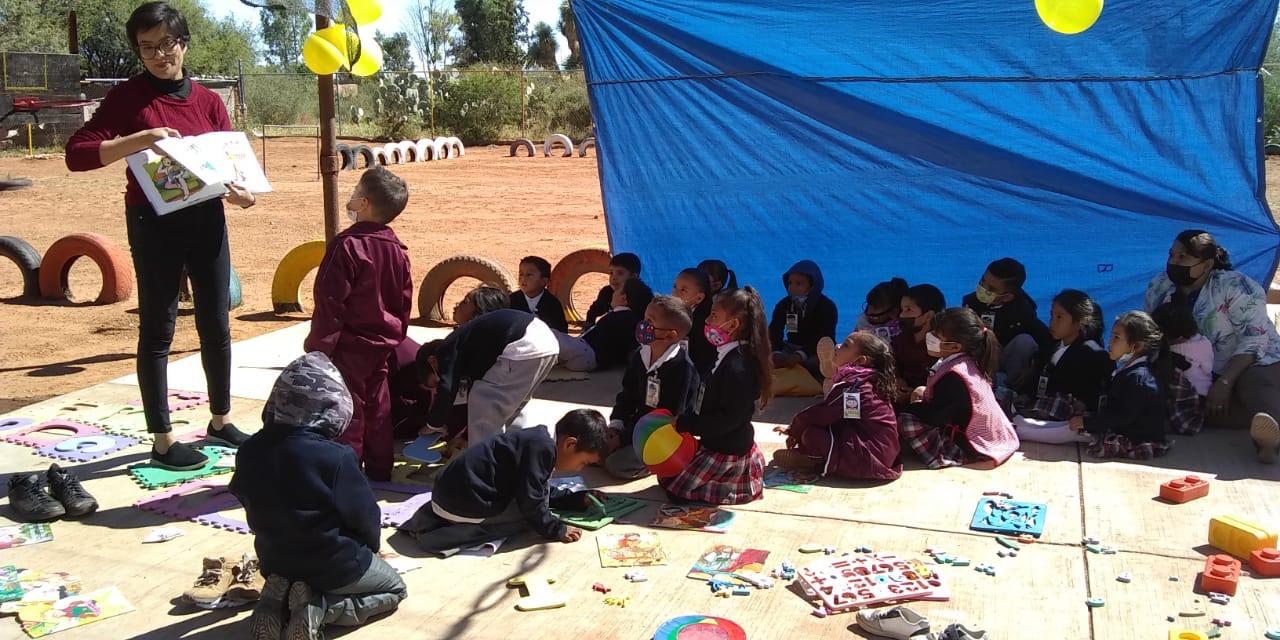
(408, 152)
(560, 139)
(395, 155)
(426, 150)
(380, 154)
(456, 147)
(443, 152)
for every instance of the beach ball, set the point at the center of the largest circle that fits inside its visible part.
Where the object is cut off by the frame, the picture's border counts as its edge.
(370, 60)
(1069, 16)
(365, 11)
(325, 52)
(665, 451)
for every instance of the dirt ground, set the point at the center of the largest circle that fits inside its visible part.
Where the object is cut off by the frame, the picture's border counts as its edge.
(483, 204)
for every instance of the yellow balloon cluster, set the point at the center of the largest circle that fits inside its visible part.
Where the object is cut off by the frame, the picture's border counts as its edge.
(328, 50)
(1069, 16)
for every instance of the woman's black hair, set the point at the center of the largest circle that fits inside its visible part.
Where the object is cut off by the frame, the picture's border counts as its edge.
(718, 270)
(153, 14)
(701, 279)
(1084, 310)
(887, 295)
(1202, 245)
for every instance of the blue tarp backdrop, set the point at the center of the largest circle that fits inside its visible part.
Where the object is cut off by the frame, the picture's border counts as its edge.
(925, 138)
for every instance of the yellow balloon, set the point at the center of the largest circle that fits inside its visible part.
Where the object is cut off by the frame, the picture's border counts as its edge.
(338, 36)
(365, 11)
(370, 60)
(1069, 16)
(322, 57)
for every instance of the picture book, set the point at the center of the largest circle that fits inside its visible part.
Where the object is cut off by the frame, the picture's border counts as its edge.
(694, 518)
(482, 550)
(782, 479)
(41, 618)
(24, 534)
(194, 169)
(31, 586)
(637, 549)
(723, 561)
(10, 587)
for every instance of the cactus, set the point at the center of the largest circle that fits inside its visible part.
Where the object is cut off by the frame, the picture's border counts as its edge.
(402, 103)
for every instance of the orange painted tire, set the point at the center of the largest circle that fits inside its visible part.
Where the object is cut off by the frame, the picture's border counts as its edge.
(115, 265)
(431, 293)
(569, 269)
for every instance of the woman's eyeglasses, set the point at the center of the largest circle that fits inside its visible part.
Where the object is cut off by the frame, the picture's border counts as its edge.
(164, 47)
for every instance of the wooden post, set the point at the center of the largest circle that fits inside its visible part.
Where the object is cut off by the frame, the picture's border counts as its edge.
(73, 34)
(328, 143)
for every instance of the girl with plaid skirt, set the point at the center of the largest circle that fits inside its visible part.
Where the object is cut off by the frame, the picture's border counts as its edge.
(728, 467)
(1133, 417)
(955, 419)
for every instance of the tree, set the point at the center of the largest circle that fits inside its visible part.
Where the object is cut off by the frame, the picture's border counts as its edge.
(542, 48)
(396, 54)
(283, 33)
(38, 26)
(431, 27)
(569, 28)
(216, 45)
(492, 31)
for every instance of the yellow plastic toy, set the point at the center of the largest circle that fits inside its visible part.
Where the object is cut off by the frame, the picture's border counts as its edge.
(1239, 537)
(540, 596)
(1184, 634)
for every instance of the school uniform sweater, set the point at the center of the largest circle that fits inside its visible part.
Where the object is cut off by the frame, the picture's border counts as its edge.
(613, 337)
(987, 431)
(912, 359)
(363, 292)
(677, 380)
(547, 307)
(137, 105)
(1080, 369)
(601, 305)
(722, 421)
(816, 316)
(469, 352)
(1013, 319)
(1136, 405)
(863, 448)
(701, 351)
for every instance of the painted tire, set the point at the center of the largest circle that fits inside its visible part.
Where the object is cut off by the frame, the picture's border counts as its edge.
(567, 272)
(295, 266)
(348, 158)
(363, 151)
(409, 150)
(431, 293)
(589, 143)
(443, 151)
(28, 261)
(1272, 149)
(426, 150)
(523, 143)
(116, 268)
(558, 139)
(456, 148)
(395, 155)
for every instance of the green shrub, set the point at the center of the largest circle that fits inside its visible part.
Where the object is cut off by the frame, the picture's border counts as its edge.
(476, 106)
(281, 99)
(1271, 107)
(559, 104)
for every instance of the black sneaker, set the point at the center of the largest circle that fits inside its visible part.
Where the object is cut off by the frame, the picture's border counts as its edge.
(66, 488)
(228, 435)
(29, 500)
(180, 457)
(305, 614)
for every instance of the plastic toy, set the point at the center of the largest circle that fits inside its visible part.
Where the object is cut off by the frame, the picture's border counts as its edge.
(1195, 610)
(1006, 543)
(860, 581)
(810, 548)
(1219, 598)
(1185, 634)
(153, 477)
(423, 449)
(85, 448)
(1221, 622)
(663, 449)
(1239, 537)
(601, 588)
(1124, 577)
(1221, 575)
(688, 627)
(1265, 562)
(614, 507)
(1273, 634)
(1009, 517)
(635, 576)
(617, 601)
(539, 594)
(1094, 603)
(1185, 489)
(26, 435)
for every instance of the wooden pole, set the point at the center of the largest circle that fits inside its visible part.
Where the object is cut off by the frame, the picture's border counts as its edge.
(73, 34)
(328, 143)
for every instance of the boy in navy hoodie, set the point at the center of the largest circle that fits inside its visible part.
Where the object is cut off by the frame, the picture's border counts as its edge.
(1006, 309)
(500, 487)
(363, 296)
(316, 522)
(801, 319)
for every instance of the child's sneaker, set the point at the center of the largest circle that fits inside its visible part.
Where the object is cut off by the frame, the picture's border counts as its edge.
(227, 436)
(827, 356)
(899, 622)
(304, 614)
(793, 460)
(212, 584)
(246, 580)
(29, 500)
(1266, 437)
(180, 457)
(66, 488)
(267, 620)
(958, 632)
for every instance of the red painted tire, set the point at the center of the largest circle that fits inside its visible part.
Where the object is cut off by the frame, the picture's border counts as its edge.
(28, 261)
(569, 269)
(116, 268)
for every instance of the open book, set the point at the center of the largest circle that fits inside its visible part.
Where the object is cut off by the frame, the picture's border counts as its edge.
(194, 169)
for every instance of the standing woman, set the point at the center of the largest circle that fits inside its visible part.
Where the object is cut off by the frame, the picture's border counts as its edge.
(163, 102)
(1231, 311)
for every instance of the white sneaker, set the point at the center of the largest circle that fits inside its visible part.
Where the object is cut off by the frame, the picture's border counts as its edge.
(958, 632)
(899, 622)
(1266, 437)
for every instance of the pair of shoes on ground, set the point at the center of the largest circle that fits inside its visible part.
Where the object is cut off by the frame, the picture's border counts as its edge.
(225, 582)
(286, 611)
(64, 497)
(181, 456)
(902, 623)
(1265, 432)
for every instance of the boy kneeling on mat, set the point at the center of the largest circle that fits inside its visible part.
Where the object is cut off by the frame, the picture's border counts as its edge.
(501, 486)
(316, 522)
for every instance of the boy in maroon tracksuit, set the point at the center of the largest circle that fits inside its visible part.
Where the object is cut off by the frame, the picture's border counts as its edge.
(363, 295)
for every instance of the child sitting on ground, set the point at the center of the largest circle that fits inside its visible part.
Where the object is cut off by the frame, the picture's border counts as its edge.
(1183, 335)
(317, 527)
(801, 319)
(1006, 309)
(853, 433)
(954, 419)
(880, 315)
(719, 274)
(622, 267)
(533, 296)
(919, 305)
(1133, 420)
(611, 340)
(363, 298)
(660, 375)
(498, 488)
(728, 467)
(694, 288)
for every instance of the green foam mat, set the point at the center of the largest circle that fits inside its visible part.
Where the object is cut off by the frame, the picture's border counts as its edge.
(153, 477)
(614, 507)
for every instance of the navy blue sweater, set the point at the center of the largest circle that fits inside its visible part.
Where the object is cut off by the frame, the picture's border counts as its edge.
(677, 380)
(1013, 319)
(549, 309)
(723, 420)
(313, 514)
(1135, 407)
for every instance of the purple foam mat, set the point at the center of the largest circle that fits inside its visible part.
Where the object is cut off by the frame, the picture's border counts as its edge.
(179, 400)
(395, 515)
(15, 422)
(85, 448)
(219, 521)
(191, 500)
(23, 436)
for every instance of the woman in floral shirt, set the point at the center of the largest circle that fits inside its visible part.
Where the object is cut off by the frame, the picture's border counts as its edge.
(1231, 311)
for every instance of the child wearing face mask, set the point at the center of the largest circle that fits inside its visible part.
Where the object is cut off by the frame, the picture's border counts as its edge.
(694, 288)
(660, 375)
(918, 307)
(1133, 419)
(363, 297)
(610, 341)
(1007, 310)
(853, 432)
(719, 274)
(955, 419)
(801, 319)
(880, 315)
(728, 467)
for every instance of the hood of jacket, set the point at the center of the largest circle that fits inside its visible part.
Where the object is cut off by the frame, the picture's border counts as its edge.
(309, 394)
(808, 268)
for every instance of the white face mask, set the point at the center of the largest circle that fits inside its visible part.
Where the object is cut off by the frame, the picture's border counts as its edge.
(932, 343)
(352, 215)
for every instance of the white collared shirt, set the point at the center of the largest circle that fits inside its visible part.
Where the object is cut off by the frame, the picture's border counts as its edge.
(533, 302)
(646, 350)
(722, 350)
(939, 364)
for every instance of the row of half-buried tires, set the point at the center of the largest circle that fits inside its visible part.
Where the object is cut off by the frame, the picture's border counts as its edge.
(304, 258)
(365, 156)
(47, 277)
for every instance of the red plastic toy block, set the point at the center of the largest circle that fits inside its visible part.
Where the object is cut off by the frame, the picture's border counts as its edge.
(1184, 489)
(1221, 574)
(1265, 562)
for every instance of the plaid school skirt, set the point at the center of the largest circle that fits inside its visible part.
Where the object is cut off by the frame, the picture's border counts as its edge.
(719, 478)
(938, 446)
(1186, 407)
(1118, 446)
(1053, 407)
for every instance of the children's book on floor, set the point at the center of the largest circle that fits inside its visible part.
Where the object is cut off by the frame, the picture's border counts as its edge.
(637, 549)
(195, 169)
(482, 550)
(723, 561)
(24, 534)
(694, 518)
(785, 480)
(41, 618)
(31, 586)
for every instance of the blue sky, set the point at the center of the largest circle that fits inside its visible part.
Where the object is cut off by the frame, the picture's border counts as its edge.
(393, 13)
